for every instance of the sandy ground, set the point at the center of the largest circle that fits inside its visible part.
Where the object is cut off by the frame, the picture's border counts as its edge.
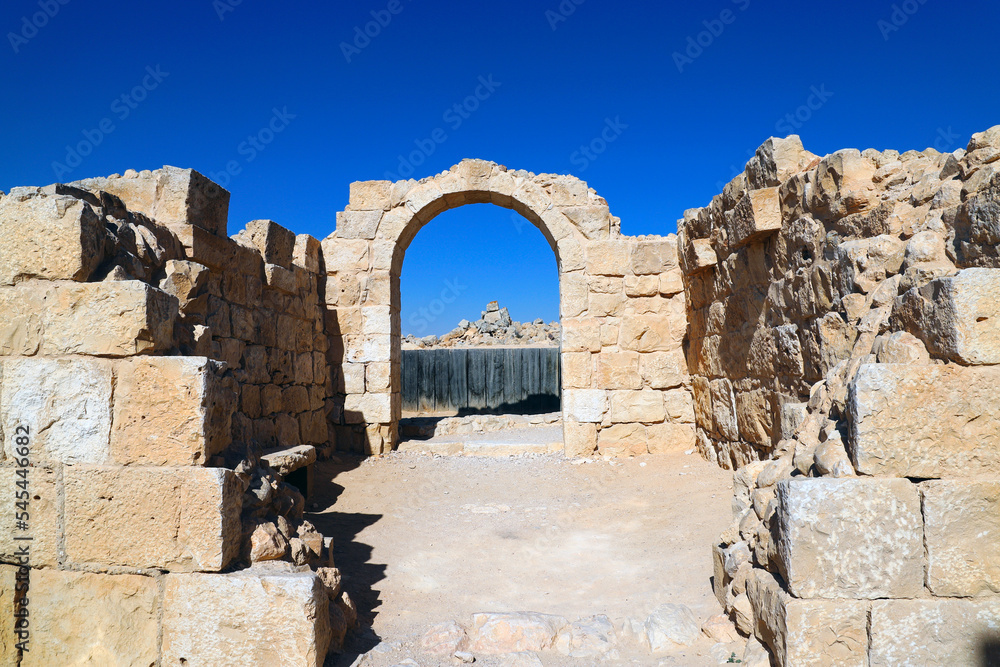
(425, 539)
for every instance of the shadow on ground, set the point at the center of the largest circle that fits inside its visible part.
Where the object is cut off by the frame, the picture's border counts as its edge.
(352, 557)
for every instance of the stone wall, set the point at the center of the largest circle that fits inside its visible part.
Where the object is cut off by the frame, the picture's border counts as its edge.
(145, 391)
(625, 385)
(844, 349)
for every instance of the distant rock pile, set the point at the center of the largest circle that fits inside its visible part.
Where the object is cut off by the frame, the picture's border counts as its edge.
(494, 327)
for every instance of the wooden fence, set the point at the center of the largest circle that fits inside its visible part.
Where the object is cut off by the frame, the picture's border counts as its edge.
(516, 380)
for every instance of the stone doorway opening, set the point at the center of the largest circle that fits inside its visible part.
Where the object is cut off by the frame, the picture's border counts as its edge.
(480, 367)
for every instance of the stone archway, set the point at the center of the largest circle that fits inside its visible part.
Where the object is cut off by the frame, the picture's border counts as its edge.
(615, 306)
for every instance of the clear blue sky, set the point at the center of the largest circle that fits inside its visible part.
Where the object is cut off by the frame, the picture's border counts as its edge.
(885, 75)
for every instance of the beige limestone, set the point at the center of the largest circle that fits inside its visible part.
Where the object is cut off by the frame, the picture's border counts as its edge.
(79, 618)
(51, 237)
(181, 519)
(584, 405)
(577, 370)
(618, 370)
(492, 634)
(853, 538)
(924, 421)
(170, 411)
(645, 406)
(43, 508)
(266, 615)
(756, 215)
(962, 534)
(664, 370)
(580, 438)
(628, 439)
(65, 404)
(934, 632)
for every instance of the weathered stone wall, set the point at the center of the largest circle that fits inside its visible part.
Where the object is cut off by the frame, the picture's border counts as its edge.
(144, 389)
(844, 349)
(625, 385)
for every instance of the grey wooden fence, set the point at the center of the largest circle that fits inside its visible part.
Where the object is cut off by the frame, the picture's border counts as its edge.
(522, 379)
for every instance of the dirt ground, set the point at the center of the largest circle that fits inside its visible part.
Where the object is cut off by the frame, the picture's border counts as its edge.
(426, 539)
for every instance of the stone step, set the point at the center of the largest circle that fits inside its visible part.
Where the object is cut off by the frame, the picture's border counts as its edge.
(458, 447)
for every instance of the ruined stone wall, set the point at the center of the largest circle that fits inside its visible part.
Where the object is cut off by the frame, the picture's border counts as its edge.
(625, 385)
(135, 344)
(844, 345)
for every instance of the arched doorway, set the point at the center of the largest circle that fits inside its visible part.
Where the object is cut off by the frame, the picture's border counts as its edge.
(614, 306)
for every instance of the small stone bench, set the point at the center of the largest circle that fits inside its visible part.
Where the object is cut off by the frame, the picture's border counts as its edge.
(293, 465)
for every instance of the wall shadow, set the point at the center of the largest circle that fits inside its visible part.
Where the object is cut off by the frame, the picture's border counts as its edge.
(989, 651)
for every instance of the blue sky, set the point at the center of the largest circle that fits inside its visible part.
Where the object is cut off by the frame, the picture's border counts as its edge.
(270, 90)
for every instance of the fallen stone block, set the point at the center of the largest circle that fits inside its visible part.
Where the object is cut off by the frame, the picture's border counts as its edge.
(807, 632)
(53, 237)
(850, 538)
(84, 618)
(63, 407)
(924, 421)
(671, 626)
(270, 614)
(962, 534)
(934, 632)
(443, 639)
(170, 411)
(592, 637)
(178, 519)
(493, 634)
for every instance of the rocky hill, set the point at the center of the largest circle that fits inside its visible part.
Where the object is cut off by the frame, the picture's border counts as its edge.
(494, 327)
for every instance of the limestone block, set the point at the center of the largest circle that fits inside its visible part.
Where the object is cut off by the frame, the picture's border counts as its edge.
(958, 317)
(757, 214)
(645, 406)
(178, 519)
(8, 597)
(671, 282)
(584, 405)
(667, 438)
(50, 237)
(265, 615)
(370, 196)
(702, 393)
(376, 320)
(755, 415)
(807, 632)
(510, 633)
(934, 632)
(109, 319)
(608, 258)
(64, 403)
(368, 408)
(80, 618)
(307, 253)
(723, 404)
(776, 161)
(654, 257)
(622, 440)
(170, 411)
(649, 333)
(642, 286)
(345, 254)
(618, 370)
(594, 222)
(664, 370)
(574, 293)
(581, 335)
(697, 255)
(370, 348)
(358, 224)
(569, 255)
(924, 421)
(962, 534)
(577, 369)
(580, 438)
(854, 538)
(275, 243)
(43, 526)
(279, 278)
(679, 405)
